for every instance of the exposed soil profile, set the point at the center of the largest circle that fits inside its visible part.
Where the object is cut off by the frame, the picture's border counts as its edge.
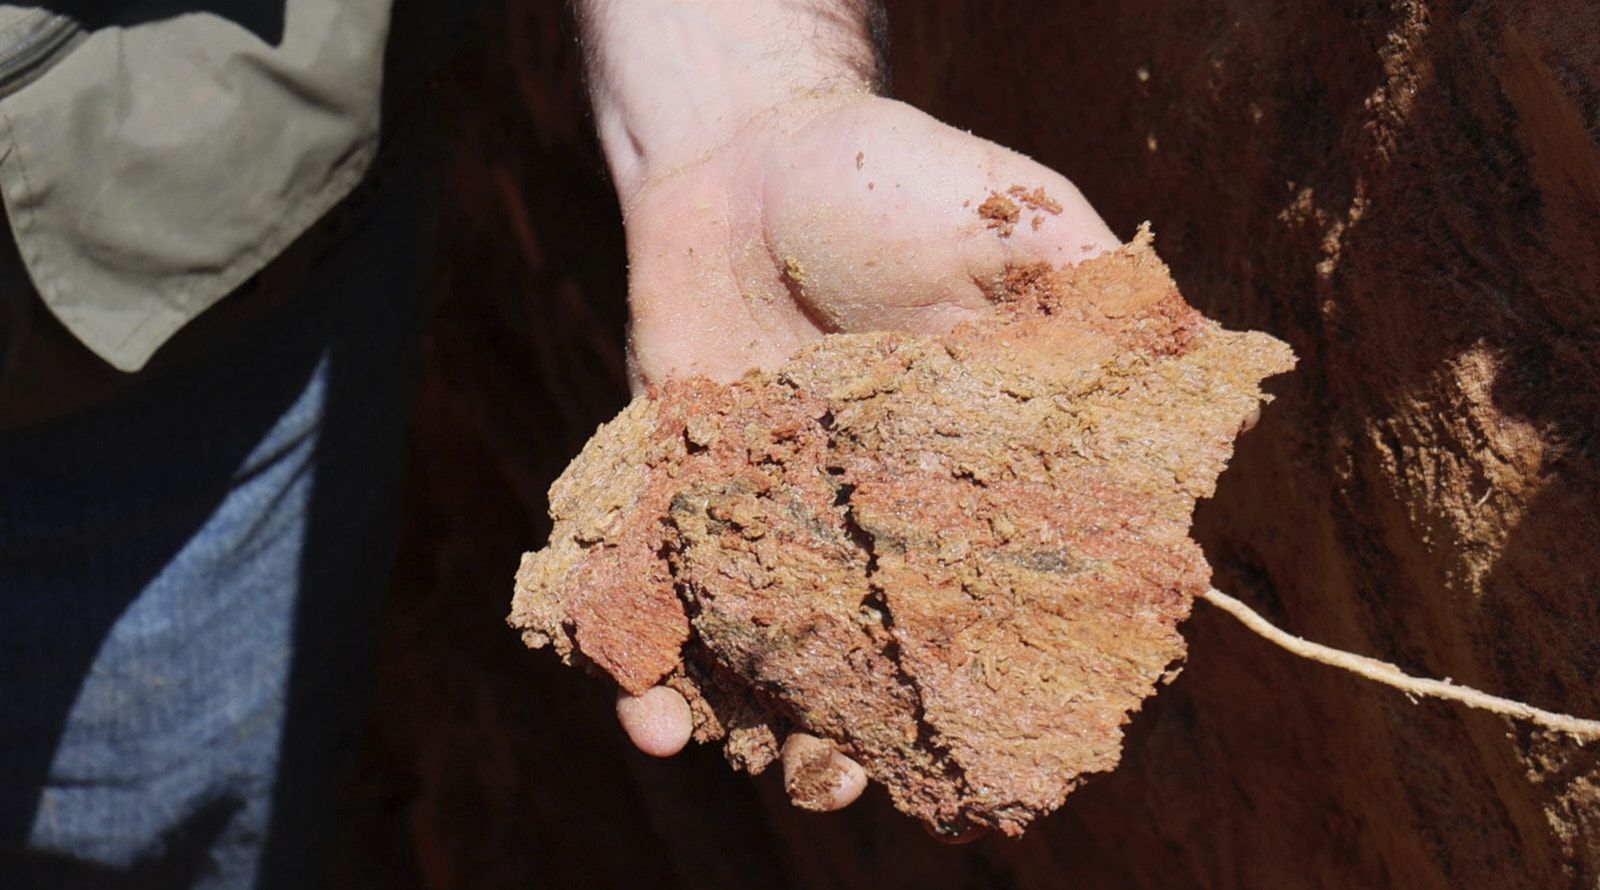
(960, 558)
(1406, 192)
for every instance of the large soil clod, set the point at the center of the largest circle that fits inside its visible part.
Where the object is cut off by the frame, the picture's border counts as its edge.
(963, 559)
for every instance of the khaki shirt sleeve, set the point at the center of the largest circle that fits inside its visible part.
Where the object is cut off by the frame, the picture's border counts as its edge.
(154, 166)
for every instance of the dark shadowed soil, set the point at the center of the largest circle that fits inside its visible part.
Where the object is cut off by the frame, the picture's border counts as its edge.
(1407, 193)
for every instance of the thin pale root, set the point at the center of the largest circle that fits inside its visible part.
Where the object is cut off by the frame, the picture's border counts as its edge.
(1382, 672)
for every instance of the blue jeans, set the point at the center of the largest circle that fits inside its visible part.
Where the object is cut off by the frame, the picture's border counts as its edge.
(190, 580)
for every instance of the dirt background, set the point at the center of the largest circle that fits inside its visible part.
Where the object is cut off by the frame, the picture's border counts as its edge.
(1409, 193)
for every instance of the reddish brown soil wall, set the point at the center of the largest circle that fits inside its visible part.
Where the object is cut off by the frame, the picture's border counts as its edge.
(1409, 193)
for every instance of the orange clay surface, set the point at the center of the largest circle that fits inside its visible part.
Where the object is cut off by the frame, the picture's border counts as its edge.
(962, 558)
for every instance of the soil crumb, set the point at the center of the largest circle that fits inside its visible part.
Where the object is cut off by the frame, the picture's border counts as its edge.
(1000, 213)
(812, 774)
(961, 559)
(1036, 199)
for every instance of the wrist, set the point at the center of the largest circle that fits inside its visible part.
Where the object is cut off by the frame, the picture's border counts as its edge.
(673, 80)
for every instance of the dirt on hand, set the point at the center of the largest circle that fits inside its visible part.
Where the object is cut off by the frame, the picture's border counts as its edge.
(961, 559)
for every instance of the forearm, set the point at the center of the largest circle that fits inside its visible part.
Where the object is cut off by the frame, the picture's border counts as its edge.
(673, 79)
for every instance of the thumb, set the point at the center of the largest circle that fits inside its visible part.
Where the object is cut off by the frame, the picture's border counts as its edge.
(886, 218)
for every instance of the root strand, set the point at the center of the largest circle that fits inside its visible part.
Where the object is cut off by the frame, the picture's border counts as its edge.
(1389, 675)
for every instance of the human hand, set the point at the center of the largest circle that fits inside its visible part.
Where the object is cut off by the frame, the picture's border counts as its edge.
(770, 198)
(834, 213)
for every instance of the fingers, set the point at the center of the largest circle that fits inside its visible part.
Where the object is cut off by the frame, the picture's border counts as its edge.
(817, 776)
(657, 721)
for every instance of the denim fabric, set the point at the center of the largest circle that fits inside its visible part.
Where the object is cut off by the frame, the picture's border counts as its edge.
(189, 587)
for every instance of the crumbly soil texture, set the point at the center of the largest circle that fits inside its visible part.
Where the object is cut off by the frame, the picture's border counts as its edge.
(961, 558)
